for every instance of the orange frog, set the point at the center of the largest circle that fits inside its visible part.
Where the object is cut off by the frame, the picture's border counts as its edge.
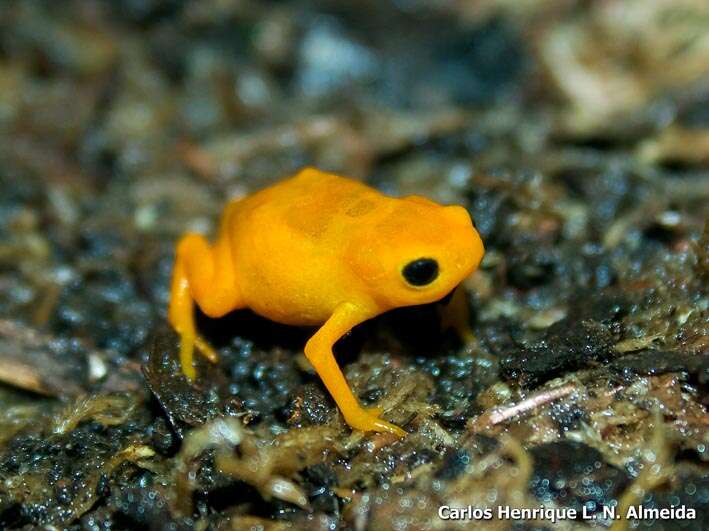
(320, 249)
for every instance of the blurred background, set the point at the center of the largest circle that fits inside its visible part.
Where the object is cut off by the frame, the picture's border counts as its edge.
(575, 132)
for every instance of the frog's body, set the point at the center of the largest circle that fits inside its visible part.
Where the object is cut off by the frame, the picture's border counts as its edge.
(318, 248)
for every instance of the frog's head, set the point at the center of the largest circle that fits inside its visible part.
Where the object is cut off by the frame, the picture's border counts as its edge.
(416, 253)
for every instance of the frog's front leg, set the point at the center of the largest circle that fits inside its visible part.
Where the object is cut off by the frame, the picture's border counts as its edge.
(204, 274)
(455, 314)
(318, 350)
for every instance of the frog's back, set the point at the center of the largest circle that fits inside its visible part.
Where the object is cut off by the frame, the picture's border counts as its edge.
(313, 204)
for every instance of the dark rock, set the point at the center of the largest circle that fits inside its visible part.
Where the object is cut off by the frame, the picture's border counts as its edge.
(689, 489)
(567, 345)
(574, 475)
(654, 362)
(185, 403)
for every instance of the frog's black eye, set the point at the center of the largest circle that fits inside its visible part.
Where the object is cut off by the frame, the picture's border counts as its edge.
(421, 272)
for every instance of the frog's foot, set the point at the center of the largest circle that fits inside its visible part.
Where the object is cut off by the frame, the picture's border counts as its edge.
(206, 349)
(363, 420)
(374, 411)
(465, 334)
(188, 342)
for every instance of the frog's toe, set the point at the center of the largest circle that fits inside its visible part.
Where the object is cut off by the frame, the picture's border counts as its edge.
(205, 349)
(365, 421)
(384, 426)
(466, 335)
(189, 372)
(374, 411)
(186, 350)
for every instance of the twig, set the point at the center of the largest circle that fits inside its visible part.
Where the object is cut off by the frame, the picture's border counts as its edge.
(503, 414)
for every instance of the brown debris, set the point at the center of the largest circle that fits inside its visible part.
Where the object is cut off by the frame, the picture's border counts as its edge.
(29, 360)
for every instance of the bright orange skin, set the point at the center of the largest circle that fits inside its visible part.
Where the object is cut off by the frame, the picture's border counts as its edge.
(320, 249)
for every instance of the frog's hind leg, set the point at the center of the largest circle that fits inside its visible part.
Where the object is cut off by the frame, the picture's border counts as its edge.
(202, 274)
